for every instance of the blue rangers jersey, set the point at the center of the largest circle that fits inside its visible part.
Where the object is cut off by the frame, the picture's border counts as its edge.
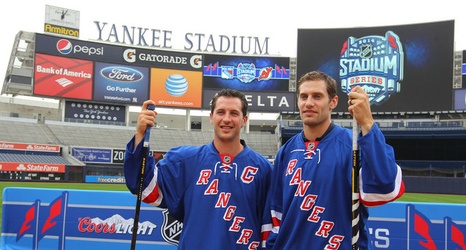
(219, 198)
(311, 191)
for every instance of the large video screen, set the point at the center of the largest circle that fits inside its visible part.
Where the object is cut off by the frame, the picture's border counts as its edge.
(402, 68)
(264, 80)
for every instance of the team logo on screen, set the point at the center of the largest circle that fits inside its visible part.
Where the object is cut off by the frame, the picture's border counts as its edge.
(373, 62)
(64, 46)
(246, 72)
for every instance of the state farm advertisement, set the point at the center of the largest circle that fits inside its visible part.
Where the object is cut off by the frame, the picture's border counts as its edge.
(63, 77)
(32, 167)
(30, 147)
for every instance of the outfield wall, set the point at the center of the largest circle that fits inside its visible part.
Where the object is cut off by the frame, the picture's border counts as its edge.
(43, 219)
(435, 185)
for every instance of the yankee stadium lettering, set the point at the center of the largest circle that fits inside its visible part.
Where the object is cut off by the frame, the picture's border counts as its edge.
(159, 38)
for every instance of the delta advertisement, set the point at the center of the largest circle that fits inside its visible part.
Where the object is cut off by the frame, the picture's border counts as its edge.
(41, 219)
(264, 80)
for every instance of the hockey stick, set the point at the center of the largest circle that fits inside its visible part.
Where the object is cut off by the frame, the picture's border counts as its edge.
(355, 188)
(145, 148)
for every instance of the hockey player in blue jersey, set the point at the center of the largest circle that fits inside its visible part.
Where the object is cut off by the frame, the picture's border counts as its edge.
(217, 190)
(311, 196)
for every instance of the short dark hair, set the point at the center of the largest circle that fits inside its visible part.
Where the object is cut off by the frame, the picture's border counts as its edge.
(318, 75)
(231, 93)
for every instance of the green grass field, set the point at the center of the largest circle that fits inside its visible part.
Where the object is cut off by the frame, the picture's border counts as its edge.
(407, 197)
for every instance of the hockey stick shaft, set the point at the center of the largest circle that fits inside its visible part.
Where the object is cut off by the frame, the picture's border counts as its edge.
(355, 188)
(145, 148)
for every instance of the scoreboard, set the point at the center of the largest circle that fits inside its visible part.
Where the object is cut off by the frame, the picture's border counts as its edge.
(28, 176)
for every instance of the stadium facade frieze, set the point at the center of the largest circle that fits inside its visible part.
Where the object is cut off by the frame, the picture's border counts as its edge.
(196, 42)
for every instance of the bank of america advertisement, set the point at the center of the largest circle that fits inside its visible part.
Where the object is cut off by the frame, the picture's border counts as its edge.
(63, 77)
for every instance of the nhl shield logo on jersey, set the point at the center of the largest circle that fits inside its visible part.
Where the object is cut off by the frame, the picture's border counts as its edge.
(311, 148)
(311, 145)
(226, 159)
(226, 163)
(171, 228)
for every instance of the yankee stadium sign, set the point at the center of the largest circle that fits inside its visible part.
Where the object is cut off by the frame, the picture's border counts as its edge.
(198, 42)
(374, 63)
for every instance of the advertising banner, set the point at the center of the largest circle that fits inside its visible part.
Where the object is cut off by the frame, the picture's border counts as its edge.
(32, 167)
(30, 147)
(176, 88)
(41, 219)
(66, 47)
(260, 101)
(413, 226)
(92, 155)
(121, 84)
(63, 77)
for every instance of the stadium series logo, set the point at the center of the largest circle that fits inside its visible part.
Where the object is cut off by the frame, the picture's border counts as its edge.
(373, 62)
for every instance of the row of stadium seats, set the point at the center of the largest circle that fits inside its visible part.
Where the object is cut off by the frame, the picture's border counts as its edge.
(102, 136)
(46, 159)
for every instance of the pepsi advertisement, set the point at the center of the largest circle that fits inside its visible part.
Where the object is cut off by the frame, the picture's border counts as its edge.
(66, 47)
(402, 68)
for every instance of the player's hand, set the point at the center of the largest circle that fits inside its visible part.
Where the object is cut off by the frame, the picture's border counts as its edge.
(146, 118)
(359, 107)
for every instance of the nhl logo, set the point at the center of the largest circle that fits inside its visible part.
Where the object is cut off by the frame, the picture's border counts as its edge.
(171, 228)
(311, 146)
(227, 159)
